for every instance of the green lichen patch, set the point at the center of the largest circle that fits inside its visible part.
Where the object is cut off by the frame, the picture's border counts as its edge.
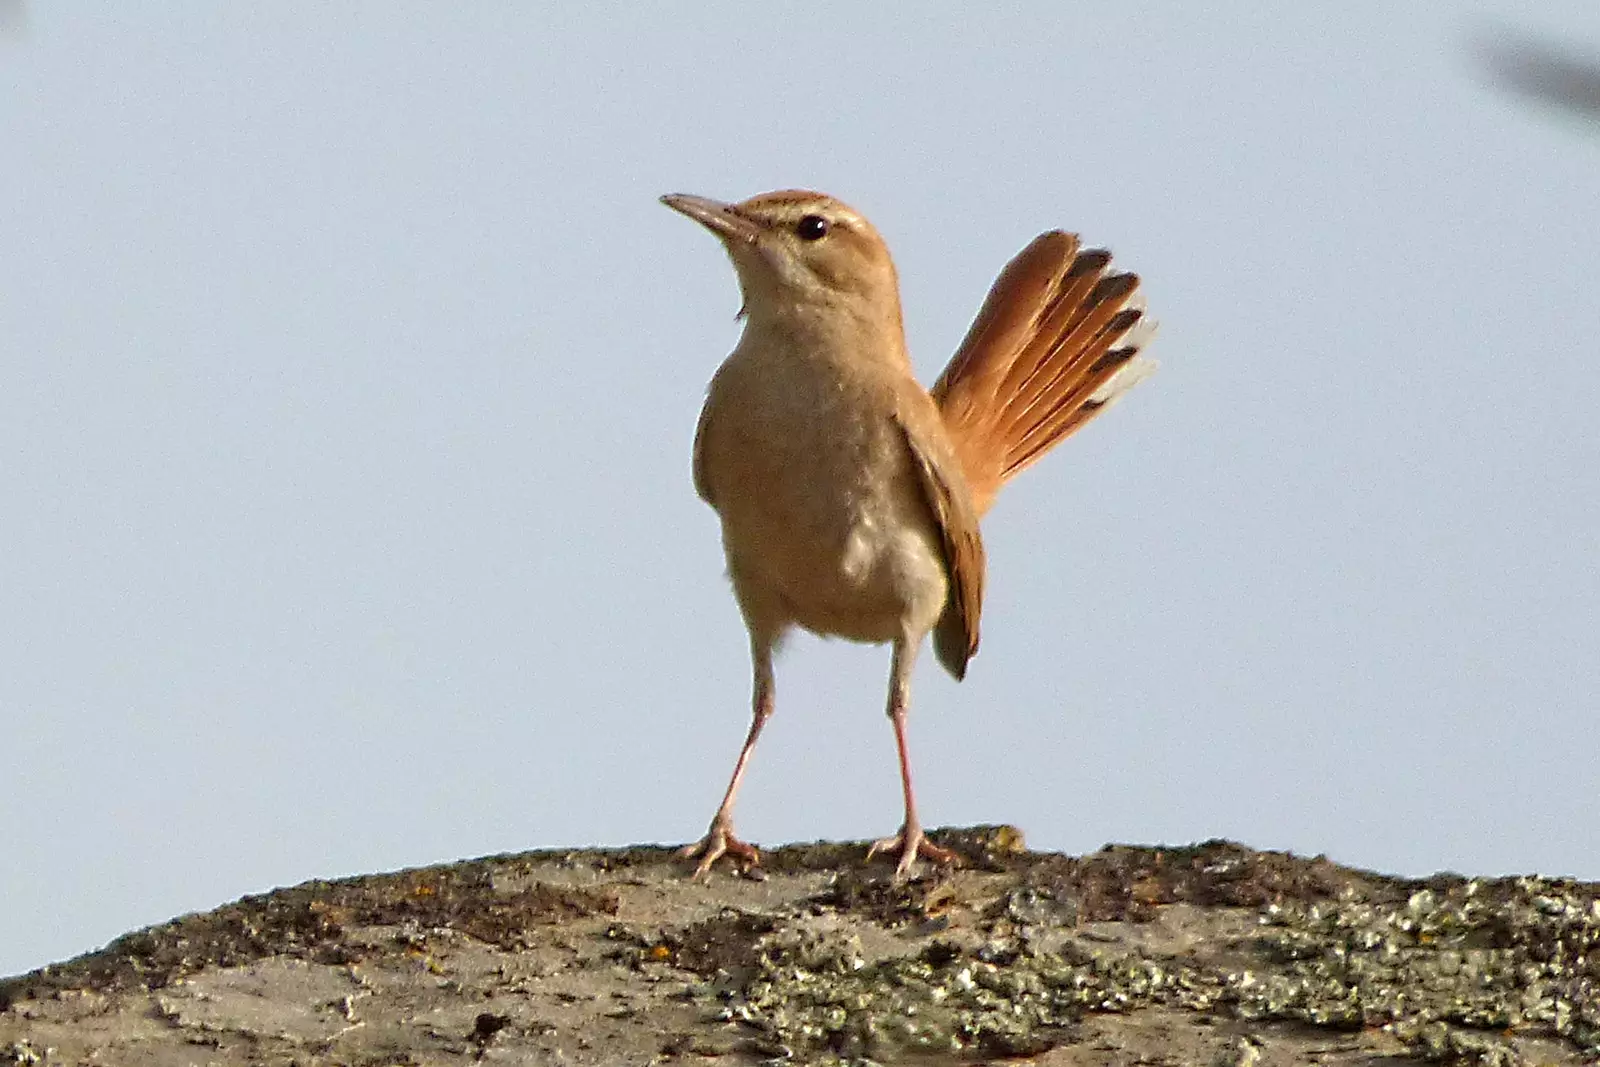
(1455, 971)
(1465, 959)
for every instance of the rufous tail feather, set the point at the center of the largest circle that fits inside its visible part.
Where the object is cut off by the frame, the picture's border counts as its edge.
(1058, 339)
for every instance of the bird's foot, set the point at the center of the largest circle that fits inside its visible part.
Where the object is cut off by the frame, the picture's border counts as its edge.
(718, 842)
(911, 844)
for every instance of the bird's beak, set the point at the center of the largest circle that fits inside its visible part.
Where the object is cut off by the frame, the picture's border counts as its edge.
(724, 220)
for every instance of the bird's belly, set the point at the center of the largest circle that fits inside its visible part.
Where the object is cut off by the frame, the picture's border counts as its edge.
(840, 552)
(824, 521)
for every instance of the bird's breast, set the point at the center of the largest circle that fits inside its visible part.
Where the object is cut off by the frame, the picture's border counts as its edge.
(819, 502)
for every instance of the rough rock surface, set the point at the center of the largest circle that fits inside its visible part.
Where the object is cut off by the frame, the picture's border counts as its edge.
(1211, 954)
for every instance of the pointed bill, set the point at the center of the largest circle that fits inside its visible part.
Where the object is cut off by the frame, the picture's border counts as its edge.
(721, 219)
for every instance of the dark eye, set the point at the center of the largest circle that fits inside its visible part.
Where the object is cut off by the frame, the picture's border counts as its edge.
(812, 228)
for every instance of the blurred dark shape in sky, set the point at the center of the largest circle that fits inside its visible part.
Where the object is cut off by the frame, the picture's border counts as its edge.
(1554, 73)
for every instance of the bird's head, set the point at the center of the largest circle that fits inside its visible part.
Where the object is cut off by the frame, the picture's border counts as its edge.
(797, 250)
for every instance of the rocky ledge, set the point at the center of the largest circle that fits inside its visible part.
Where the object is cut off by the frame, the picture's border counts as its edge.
(1210, 954)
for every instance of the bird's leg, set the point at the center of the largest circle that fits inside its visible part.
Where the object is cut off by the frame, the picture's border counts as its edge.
(909, 842)
(719, 840)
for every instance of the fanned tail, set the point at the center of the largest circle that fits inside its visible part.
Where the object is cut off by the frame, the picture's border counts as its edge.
(1058, 339)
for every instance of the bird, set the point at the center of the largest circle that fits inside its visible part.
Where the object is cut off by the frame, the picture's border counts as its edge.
(849, 496)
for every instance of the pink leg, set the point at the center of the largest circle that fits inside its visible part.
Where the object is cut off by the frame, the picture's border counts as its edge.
(719, 840)
(909, 842)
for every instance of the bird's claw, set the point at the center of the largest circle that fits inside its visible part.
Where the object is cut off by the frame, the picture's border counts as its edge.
(911, 844)
(718, 842)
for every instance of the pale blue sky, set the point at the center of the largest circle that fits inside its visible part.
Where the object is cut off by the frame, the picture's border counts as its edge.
(349, 368)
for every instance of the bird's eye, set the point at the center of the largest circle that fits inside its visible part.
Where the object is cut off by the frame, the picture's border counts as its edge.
(812, 228)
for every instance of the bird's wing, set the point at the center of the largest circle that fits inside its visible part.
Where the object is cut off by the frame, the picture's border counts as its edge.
(944, 487)
(702, 484)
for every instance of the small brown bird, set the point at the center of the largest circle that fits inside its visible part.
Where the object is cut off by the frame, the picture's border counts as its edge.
(849, 495)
